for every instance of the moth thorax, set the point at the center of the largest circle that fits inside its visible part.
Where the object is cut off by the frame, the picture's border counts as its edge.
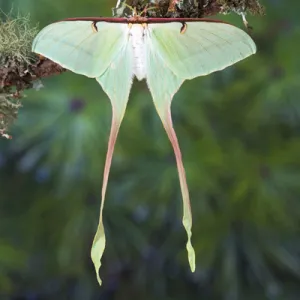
(137, 38)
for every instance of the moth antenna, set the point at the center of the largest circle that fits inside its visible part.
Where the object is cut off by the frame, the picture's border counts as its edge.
(144, 10)
(133, 9)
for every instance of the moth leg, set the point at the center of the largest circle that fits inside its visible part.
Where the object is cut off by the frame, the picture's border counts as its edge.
(94, 27)
(183, 28)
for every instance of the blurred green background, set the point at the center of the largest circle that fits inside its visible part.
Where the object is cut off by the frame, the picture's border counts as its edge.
(239, 131)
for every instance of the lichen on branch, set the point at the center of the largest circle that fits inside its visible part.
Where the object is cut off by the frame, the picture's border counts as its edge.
(16, 35)
(19, 67)
(187, 8)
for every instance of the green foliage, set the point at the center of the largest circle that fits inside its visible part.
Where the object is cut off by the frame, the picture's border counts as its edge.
(239, 133)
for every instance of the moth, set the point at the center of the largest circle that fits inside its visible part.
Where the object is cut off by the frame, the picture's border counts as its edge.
(163, 51)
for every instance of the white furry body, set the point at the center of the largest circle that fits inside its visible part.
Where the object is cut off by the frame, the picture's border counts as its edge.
(137, 38)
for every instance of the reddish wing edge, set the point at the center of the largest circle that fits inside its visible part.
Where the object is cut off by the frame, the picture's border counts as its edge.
(142, 20)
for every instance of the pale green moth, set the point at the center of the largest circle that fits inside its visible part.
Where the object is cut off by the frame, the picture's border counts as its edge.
(164, 51)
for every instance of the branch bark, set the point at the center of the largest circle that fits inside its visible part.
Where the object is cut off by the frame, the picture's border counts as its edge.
(22, 77)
